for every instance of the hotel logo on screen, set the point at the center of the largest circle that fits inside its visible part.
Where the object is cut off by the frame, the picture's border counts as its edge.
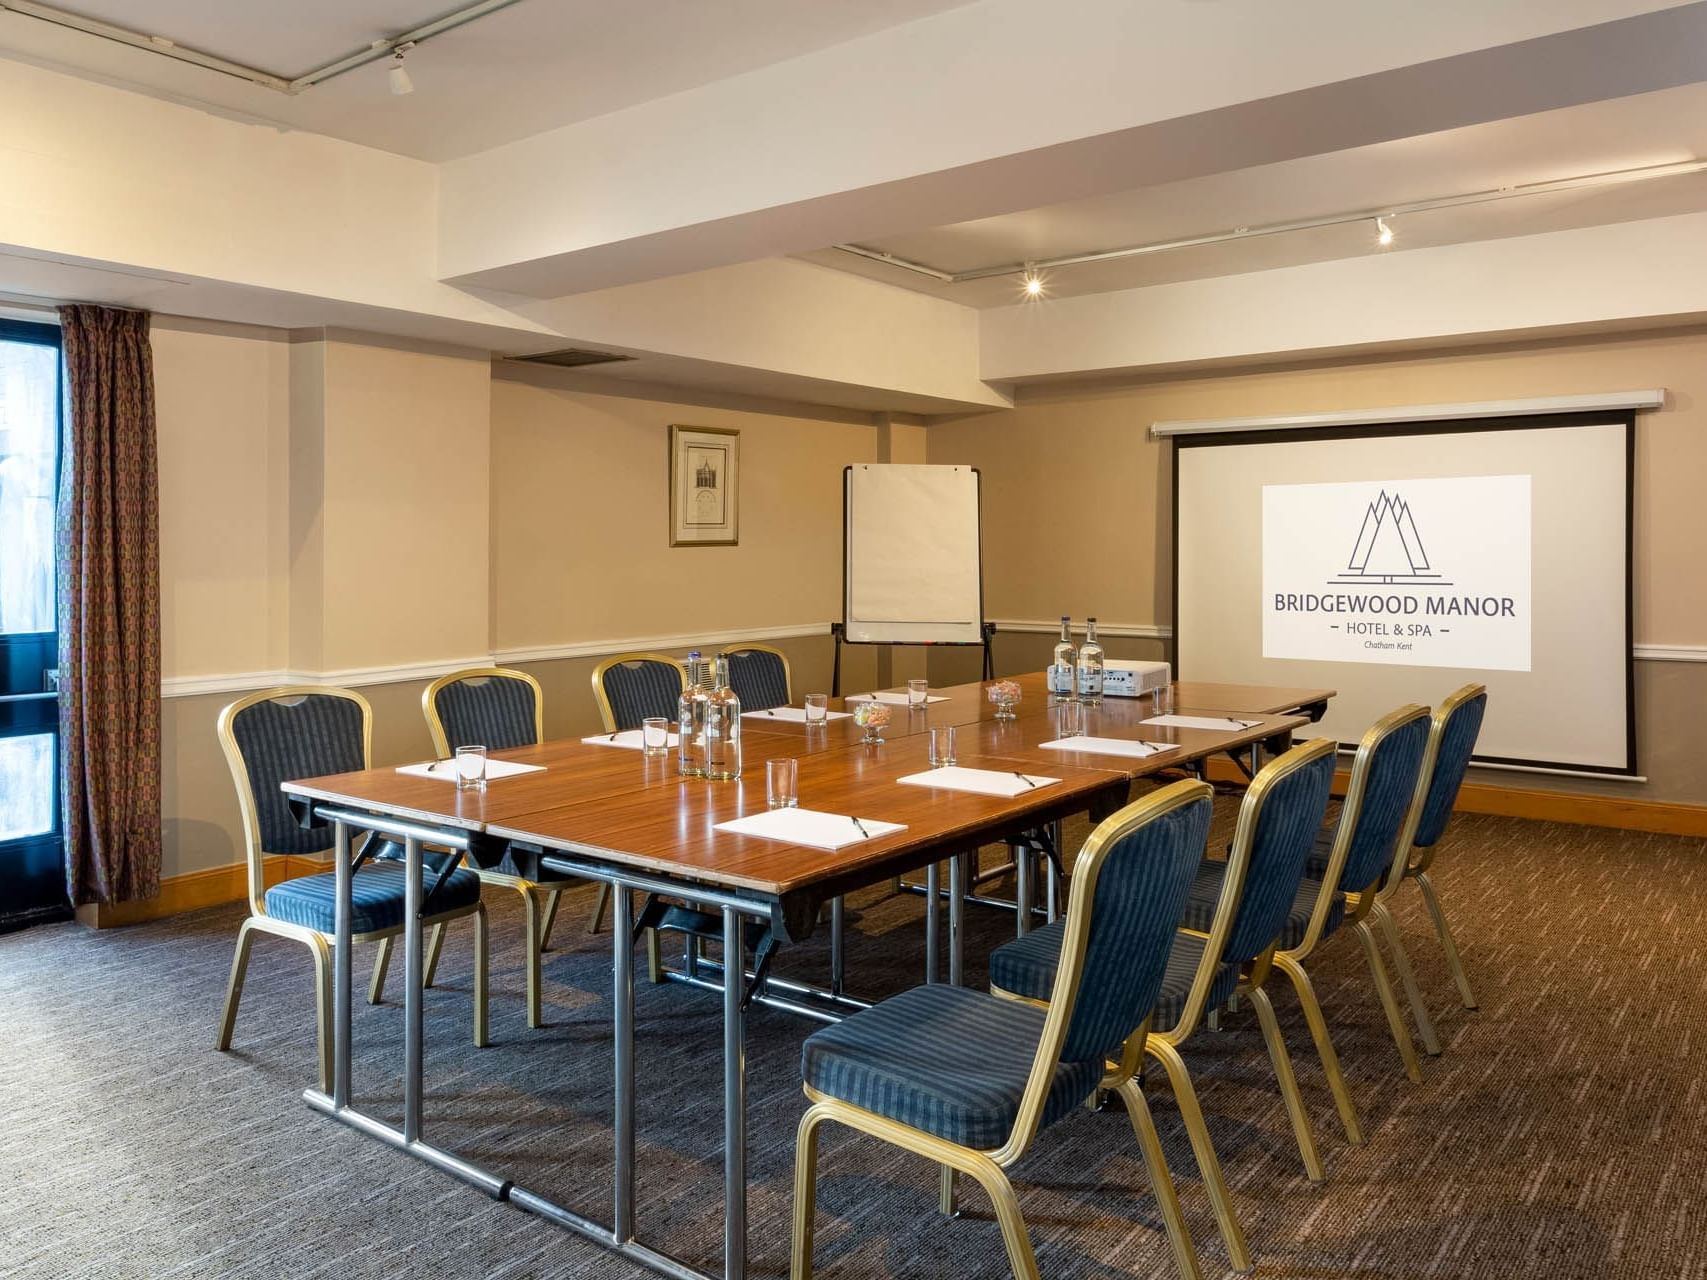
(1459, 600)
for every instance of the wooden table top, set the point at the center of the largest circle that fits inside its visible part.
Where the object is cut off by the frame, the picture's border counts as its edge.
(617, 806)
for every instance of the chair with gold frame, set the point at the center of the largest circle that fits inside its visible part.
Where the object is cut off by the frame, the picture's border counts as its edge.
(759, 675)
(966, 1079)
(631, 687)
(1373, 816)
(500, 708)
(1281, 811)
(1452, 737)
(305, 731)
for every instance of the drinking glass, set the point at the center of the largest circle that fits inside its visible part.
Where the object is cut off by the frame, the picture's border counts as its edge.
(817, 708)
(782, 783)
(942, 746)
(918, 691)
(1164, 699)
(471, 768)
(1070, 719)
(655, 736)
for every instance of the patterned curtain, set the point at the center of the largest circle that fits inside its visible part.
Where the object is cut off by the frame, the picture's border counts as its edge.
(109, 610)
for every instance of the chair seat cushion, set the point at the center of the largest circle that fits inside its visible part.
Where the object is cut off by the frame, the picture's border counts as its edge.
(1026, 967)
(376, 897)
(946, 1060)
(1206, 892)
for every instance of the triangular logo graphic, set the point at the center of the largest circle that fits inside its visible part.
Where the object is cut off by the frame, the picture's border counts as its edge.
(1389, 549)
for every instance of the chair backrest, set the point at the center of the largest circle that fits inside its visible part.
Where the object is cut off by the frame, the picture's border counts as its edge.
(1452, 740)
(759, 676)
(633, 686)
(1378, 799)
(280, 735)
(1282, 811)
(491, 707)
(1128, 895)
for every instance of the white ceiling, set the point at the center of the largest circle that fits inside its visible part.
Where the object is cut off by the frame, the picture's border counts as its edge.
(536, 65)
(1648, 129)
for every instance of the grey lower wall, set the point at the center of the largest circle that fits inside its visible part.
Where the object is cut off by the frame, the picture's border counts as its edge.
(202, 828)
(201, 824)
(1671, 735)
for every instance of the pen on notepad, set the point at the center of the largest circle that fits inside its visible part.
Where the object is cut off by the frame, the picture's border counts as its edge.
(612, 738)
(431, 765)
(861, 827)
(1028, 782)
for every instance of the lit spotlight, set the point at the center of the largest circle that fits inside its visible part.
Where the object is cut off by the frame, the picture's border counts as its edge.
(1383, 233)
(1033, 285)
(399, 74)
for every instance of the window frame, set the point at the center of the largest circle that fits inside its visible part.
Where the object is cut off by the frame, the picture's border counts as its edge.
(32, 867)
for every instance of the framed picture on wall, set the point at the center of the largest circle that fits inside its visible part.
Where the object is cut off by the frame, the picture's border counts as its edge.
(705, 493)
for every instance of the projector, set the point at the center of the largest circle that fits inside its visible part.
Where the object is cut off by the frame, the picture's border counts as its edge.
(1131, 678)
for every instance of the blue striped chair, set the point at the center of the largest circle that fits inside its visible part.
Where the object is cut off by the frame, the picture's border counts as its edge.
(1372, 817)
(759, 676)
(631, 687)
(967, 1079)
(1277, 821)
(1451, 742)
(500, 708)
(308, 731)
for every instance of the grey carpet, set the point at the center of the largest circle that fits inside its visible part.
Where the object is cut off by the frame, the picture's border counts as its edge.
(1561, 1133)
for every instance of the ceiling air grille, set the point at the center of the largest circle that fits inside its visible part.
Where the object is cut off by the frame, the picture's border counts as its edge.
(572, 358)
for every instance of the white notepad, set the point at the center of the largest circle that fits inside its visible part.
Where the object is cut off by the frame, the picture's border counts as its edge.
(446, 769)
(1110, 746)
(630, 738)
(1200, 722)
(810, 827)
(984, 782)
(793, 715)
(892, 698)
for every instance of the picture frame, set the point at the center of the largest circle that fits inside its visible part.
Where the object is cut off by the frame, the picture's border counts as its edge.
(705, 486)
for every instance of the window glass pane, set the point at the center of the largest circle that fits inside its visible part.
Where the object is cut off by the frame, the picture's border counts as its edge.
(26, 786)
(29, 390)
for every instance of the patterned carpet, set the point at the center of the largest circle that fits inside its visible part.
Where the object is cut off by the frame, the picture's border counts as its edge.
(1563, 1133)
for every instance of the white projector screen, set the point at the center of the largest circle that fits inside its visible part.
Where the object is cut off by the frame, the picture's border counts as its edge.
(913, 571)
(1394, 563)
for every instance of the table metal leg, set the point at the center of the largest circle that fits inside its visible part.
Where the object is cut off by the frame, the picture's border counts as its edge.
(933, 911)
(734, 1102)
(622, 967)
(1024, 860)
(414, 1004)
(956, 919)
(838, 945)
(342, 964)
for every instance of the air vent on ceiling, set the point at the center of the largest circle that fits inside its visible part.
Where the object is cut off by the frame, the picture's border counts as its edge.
(573, 358)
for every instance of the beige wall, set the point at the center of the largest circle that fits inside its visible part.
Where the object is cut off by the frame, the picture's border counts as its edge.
(222, 401)
(580, 544)
(1076, 470)
(370, 511)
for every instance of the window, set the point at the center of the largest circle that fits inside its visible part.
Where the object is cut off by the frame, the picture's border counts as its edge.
(32, 877)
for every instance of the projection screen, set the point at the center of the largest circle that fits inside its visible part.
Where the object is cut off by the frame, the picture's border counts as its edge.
(1396, 562)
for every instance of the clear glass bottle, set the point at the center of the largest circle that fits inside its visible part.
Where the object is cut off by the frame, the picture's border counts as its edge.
(690, 721)
(1090, 666)
(722, 728)
(1066, 658)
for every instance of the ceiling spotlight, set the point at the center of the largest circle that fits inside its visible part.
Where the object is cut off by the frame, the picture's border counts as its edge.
(1383, 233)
(1033, 285)
(399, 74)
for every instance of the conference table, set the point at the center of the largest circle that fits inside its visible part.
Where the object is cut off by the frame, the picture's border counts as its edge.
(604, 813)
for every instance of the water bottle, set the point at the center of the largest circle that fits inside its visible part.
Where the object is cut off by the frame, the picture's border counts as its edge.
(722, 716)
(1090, 666)
(1066, 658)
(690, 721)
